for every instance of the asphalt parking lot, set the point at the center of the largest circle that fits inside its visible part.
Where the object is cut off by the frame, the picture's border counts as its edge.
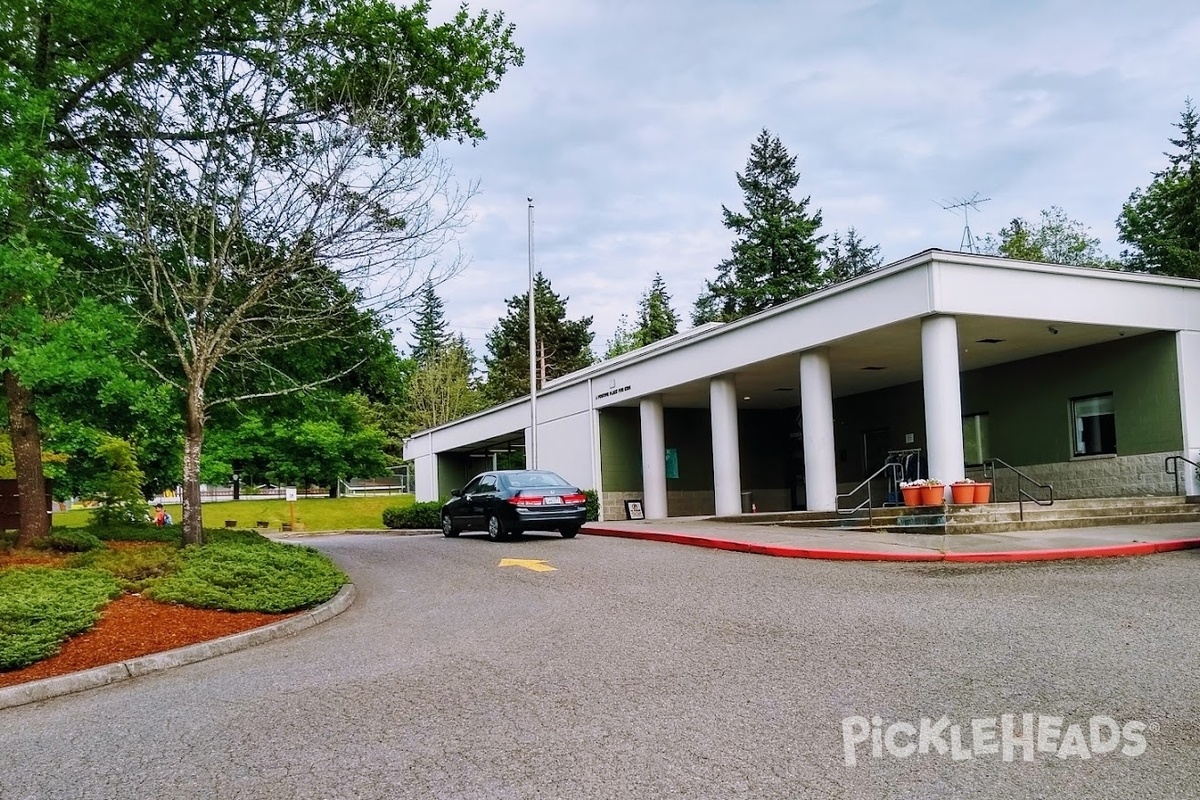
(640, 669)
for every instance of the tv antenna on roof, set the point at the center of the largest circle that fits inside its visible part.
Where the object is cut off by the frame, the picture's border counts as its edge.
(967, 245)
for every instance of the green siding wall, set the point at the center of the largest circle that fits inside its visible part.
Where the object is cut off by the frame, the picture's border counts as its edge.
(762, 438)
(1028, 404)
(620, 450)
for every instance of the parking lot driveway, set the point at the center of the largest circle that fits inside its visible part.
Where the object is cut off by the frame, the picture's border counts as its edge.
(637, 669)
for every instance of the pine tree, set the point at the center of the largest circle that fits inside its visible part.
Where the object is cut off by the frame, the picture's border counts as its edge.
(776, 253)
(850, 258)
(429, 329)
(656, 319)
(1161, 223)
(563, 345)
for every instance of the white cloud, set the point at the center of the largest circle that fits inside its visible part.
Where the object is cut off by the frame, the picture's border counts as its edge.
(629, 120)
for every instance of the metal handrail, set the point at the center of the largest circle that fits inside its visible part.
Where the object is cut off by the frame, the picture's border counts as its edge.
(1171, 467)
(869, 502)
(989, 471)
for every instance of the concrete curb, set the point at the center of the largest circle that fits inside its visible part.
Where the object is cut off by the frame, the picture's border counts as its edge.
(788, 551)
(288, 535)
(35, 691)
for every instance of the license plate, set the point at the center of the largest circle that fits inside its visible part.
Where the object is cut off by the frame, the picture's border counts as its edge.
(553, 500)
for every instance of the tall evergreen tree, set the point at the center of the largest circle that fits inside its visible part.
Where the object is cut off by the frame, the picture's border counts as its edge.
(429, 330)
(1161, 223)
(776, 253)
(564, 345)
(849, 258)
(656, 319)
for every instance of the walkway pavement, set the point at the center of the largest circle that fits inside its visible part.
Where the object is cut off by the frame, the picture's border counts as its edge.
(850, 545)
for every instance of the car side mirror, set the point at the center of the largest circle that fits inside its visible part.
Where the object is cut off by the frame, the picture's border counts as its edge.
(456, 492)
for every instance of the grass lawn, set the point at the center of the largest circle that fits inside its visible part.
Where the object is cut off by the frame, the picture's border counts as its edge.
(312, 514)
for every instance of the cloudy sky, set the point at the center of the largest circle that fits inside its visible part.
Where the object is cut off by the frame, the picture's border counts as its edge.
(629, 120)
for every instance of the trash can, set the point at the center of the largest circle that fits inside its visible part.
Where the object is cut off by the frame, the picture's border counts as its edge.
(748, 506)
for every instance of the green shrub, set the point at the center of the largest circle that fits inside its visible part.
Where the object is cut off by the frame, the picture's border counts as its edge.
(118, 486)
(8, 539)
(41, 607)
(71, 540)
(593, 505)
(134, 532)
(136, 568)
(242, 575)
(233, 535)
(418, 516)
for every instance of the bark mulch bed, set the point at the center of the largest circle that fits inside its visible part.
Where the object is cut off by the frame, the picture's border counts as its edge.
(132, 626)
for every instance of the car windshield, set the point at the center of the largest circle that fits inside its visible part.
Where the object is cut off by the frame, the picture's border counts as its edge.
(534, 480)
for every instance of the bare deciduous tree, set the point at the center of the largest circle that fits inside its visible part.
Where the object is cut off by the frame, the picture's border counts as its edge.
(243, 245)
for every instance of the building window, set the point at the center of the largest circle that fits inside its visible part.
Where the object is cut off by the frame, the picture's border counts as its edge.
(976, 448)
(1095, 425)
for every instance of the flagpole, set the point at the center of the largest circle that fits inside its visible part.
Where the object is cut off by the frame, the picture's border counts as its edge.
(531, 460)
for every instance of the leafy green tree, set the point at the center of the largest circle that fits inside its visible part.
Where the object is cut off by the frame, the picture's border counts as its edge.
(1054, 238)
(776, 252)
(1161, 223)
(849, 258)
(429, 328)
(317, 439)
(443, 388)
(118, 484)
(564, 345)
(623, 340)
(81, 86)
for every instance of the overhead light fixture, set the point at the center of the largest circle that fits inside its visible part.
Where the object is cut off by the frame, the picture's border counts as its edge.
(747, 397)
(989, 340)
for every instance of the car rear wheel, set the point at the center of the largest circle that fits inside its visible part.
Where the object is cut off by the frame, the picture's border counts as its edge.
(449, 529)
(569, 531)
(496, 528)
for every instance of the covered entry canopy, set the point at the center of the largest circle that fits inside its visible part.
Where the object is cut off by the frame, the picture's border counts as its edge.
(927, 320)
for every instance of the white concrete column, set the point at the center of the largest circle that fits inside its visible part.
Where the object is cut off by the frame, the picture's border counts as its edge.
(816, 408)
(1187, 353)
(943, 397)
(727, 465)
(426, 478)
(654, 458)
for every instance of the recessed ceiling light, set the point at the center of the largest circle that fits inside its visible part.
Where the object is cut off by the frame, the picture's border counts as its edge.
(747, 397)
(873, 369)
(989, 341)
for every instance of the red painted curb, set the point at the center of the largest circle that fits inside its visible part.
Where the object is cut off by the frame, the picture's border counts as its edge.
(787, 551)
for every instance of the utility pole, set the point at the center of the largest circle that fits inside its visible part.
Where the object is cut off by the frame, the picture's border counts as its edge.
(531, 456)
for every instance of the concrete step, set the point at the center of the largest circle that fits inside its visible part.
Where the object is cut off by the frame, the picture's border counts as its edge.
(994, 517)
(1041, 524)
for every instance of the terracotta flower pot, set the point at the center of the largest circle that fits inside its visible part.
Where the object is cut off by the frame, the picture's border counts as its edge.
(983, 492)
(933, 495)
(962, 493)
(912, 495)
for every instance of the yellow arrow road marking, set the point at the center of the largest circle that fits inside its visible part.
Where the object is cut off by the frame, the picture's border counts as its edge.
(528, 563)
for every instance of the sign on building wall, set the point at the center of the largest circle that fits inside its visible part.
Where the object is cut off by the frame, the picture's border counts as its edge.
(672, 462)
